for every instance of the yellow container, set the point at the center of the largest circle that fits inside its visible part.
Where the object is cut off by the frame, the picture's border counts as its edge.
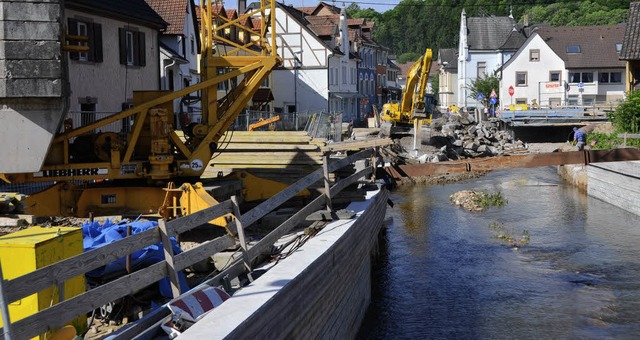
(25, 251)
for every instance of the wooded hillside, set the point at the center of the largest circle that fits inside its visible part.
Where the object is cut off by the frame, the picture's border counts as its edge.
(414, 25)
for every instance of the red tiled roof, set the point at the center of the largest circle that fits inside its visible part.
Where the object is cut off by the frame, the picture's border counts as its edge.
(324, 30)
(306, 10)
(231, 13)
(256, 23)
(173, 12)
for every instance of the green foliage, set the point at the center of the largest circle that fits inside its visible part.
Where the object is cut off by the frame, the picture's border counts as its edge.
(627, 115)
(490, 200)
(414, 25)
(408, 57)
(604, 141)
(485, 86)
(435, 86)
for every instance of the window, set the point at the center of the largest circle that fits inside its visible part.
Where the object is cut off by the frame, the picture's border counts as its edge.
(344, 74)
(610, 77)
(581, 77)
(573, 49)
(554, 76)
(618, 47)
(193, 45)
(482, 70)
(93, 32)
(521, 78)
(132, 47)
(534, 55)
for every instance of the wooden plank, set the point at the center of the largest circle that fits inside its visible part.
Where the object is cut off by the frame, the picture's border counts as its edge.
(58, 315)
(186, 223)
(325, 175)
(202, 251)
(236, 269)
(357, 145)
(241, 238)
(341, 185)
(271, 238)
(234, 147)
(51, 275)
(168, 258)
(269, 205)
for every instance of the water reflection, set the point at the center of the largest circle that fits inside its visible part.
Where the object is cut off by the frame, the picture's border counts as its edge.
(444, 275)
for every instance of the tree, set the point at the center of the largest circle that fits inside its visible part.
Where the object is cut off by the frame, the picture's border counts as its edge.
(626, 118)
(485, 86)
(408, 57)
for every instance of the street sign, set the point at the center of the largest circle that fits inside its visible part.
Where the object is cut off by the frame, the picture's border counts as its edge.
(511, 91)
(493, 101)
(493, 94)
(479, 97)
(580, 85)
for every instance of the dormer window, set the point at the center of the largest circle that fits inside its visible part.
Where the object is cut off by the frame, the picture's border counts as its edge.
(573, 49)
(618, 47)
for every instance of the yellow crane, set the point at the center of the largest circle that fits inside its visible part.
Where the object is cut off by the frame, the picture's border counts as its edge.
(136, 172)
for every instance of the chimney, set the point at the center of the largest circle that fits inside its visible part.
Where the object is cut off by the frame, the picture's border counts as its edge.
(344, 33)
(242, 6)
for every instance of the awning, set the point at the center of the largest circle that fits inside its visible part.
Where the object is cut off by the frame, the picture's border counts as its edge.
(263, 95)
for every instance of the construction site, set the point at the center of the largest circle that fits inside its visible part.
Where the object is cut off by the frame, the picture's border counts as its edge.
(141, 221)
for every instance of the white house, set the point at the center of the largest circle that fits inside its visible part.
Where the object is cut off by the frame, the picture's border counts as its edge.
(566, 66)
(123, 56)
(485, 44)
(179, 48)
(315, 75)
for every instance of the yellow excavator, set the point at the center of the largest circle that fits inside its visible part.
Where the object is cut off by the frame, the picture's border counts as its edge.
(135, 173)
(399, 118)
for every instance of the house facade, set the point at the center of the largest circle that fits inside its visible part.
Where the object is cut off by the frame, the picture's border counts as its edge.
(447, 78)
(179, 48)
(566, 66)
(123, 56)
(631, 48)
(485, 44)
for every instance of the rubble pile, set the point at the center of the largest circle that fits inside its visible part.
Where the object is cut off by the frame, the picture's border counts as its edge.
(460, 136)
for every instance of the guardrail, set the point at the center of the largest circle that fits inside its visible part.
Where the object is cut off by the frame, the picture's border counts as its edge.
(56, 274)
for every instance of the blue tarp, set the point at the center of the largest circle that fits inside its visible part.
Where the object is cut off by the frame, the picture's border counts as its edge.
(96, 235)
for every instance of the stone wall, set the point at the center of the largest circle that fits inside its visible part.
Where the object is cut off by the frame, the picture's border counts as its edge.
(320, 292)
(32, 81)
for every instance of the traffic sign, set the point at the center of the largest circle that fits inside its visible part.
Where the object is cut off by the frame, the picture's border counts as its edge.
(479, 97)
(580, 85)
(493, 101)
(493, 94)
(511, 91)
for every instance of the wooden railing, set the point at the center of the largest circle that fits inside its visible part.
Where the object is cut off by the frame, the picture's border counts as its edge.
(56, 274)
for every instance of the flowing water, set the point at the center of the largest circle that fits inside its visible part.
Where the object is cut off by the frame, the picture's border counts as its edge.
(444, 274)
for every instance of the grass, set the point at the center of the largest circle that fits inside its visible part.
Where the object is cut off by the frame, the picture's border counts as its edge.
(611, 141)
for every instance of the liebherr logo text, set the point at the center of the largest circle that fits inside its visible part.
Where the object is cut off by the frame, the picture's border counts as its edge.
(72, 172)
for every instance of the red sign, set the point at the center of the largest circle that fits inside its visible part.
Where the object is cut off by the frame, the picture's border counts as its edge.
(511, 91)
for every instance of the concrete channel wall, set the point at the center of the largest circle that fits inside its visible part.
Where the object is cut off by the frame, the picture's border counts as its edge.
(322, 291)
(617, 183)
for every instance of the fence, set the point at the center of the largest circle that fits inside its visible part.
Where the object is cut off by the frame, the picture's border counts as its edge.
(56, 274)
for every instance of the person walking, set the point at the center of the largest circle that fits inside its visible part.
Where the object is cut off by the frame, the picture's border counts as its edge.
(579, 138)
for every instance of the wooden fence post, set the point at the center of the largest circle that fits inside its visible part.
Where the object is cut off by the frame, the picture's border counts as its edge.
(168, 258)
(4, 309)
(327, 186)
(243, 241)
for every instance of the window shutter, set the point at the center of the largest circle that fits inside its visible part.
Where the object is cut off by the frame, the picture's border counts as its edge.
(142, 60)
(123, 45)
(96, 40)
(72, 27)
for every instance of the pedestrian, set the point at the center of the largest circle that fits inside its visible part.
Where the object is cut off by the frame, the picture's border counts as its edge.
(579, 138)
